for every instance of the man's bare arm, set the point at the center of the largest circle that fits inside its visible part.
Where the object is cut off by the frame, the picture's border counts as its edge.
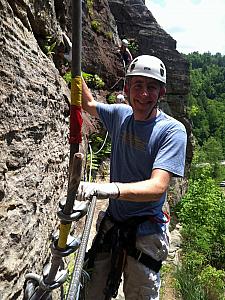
(147, 190)
(142, 191)
(88, 102)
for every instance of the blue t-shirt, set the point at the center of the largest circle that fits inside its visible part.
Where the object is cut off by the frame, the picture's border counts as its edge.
(138, 147)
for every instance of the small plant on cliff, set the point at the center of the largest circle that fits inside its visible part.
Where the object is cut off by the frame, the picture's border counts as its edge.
(111, 98)
(109, 35)
(49, 46)
(90, 6)
(96, 26)
(101, 150)
(67, 77)
(93, 81)
(133, 46)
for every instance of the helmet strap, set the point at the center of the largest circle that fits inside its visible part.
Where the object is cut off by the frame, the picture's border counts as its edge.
(128, 91)
(155, 106)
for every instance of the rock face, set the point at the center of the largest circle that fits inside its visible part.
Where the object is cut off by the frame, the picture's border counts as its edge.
(34, 109)
(33, 151)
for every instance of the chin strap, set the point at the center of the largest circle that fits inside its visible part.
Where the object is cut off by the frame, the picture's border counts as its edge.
(155, 106)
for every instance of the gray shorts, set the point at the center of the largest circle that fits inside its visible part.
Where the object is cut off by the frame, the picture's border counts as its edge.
(140, 282)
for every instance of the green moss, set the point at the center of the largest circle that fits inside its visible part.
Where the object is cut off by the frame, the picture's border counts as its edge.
(90, 6)
(109, 35)
(96, 26)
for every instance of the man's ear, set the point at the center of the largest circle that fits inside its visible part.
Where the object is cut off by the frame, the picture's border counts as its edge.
(162, 91)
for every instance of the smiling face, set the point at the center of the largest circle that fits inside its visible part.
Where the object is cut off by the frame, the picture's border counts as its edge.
(144, 93)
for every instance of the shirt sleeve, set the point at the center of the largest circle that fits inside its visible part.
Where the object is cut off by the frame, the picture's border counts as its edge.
(112, 115)
(106, 113)
(172, 151)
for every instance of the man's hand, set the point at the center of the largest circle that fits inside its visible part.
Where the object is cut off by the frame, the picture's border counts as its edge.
(68, 47)
(87, 190)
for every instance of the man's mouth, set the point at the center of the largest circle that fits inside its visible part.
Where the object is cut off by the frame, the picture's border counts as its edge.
(143, 102)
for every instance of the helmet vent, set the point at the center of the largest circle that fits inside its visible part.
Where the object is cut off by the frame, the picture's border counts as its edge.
(147, 68)
(132, 67)
(162, 72)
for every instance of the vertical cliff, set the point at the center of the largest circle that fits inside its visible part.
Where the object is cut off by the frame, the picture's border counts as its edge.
(33, 148)
(34, 111)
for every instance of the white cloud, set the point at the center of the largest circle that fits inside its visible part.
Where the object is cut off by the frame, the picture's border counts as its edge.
(196, 25)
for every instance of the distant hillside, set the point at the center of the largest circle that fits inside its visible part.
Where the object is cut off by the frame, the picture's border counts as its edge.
(206, 103)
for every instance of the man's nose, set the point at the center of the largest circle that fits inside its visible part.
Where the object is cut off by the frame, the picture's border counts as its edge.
(144, 92)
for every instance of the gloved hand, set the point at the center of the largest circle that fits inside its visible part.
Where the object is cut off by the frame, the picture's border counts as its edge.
(87, 190)
(68, 47)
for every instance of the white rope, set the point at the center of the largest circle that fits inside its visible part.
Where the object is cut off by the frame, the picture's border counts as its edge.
(106, 136)
(102, 144)
(91, 155)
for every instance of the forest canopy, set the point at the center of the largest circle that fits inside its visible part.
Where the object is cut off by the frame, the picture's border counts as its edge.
(206, 103)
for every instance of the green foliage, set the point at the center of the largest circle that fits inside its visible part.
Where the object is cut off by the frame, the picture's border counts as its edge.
(93, 81)
(193, 261)
(213, 150)
(206, 161)
(193, 110)
(111, 98)
(133, 46)
(90, 6)
(209, 284)
(97, 143)
(96, 26)
(213, 281)
(70, 268)
(206, 103)
(108, 35)
(94, 164)
(188, 285)
(201, 213)
(67, 77)
(49, 46)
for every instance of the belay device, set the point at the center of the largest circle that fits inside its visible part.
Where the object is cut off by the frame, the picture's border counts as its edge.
(40, 287)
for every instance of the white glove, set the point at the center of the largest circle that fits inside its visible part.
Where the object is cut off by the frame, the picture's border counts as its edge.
(68, 45)
(87, 190)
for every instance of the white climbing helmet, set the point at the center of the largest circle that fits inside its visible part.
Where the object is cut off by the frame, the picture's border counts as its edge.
(148, 66)
(125, 42)
(120, 98)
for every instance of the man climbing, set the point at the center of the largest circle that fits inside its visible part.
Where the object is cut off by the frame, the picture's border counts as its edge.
(125, 53)
(148, 148)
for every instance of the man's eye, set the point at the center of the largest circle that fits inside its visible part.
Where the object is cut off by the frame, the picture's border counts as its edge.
(137, 86)
(151, 87)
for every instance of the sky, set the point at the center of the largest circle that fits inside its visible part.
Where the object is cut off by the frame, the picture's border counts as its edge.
(196, 25)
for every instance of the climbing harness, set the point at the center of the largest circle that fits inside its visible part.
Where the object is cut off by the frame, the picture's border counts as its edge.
(39, 287)
(120, 241)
